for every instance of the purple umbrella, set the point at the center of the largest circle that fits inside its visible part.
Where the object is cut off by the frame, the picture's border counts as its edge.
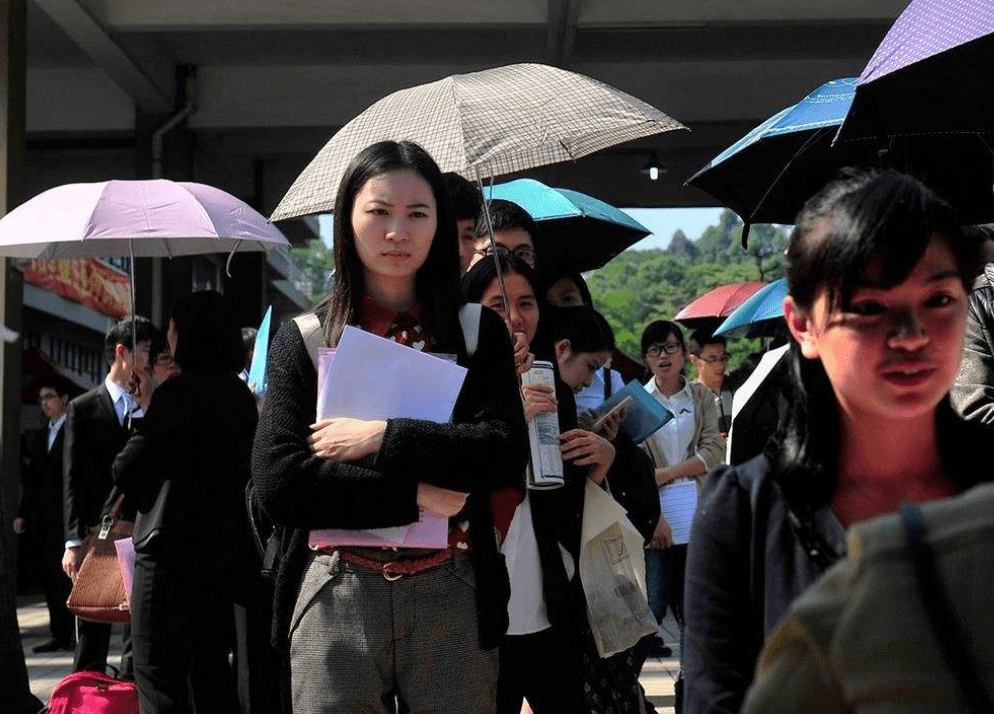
(155, 218)
(931, 74)
(147, 219)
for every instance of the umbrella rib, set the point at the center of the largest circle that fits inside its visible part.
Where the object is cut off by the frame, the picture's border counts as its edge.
(797, 154)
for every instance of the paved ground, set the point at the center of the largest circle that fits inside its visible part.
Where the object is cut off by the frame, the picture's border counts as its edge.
(659, 674)
(45, 670)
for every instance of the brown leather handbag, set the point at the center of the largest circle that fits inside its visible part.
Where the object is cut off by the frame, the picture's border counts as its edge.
(98, 594)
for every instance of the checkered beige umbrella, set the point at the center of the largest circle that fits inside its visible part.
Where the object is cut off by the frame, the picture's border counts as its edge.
(483, 124)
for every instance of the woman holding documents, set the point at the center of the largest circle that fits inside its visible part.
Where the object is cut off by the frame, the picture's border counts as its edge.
(682, 451)
(368, 627)
(542, 655)
(878, 273)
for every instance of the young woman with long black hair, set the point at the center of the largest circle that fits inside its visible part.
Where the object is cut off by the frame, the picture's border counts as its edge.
(548, 656)
(370, 627)
(185, 469)
(878, 272)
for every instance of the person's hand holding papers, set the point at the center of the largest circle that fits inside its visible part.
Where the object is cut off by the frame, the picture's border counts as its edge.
(538, 398)
(346, 439)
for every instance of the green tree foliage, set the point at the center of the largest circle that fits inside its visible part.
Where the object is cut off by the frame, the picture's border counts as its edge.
(316, 261)
(681, 247)
(638, 287)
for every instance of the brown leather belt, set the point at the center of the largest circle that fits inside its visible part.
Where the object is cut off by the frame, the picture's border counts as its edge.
(396, 569)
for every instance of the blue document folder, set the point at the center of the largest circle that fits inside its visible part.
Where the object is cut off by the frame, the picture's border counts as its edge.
(645, 414)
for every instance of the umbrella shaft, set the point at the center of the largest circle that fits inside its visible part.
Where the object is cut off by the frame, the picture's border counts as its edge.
(496, 255)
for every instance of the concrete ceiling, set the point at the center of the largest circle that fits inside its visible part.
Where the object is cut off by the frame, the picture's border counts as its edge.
(274, 80)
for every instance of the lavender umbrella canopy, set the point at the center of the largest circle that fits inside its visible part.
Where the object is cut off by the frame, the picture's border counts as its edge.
(931, 74)
(156, 218)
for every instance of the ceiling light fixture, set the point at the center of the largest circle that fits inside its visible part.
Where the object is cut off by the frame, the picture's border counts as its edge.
(653, 169)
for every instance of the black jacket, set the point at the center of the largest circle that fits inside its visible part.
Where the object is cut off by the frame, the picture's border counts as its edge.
(93, 437)
(482, 449)
(41, 500)
(186, 466)
(745, 565)
(973, 390)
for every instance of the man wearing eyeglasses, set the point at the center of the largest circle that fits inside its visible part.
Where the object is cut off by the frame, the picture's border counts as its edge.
(40, 512)
(514, 232)
(709, 355)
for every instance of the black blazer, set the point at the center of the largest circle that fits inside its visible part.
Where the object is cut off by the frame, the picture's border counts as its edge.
(93, 436)
(41, 501)
(186, 466)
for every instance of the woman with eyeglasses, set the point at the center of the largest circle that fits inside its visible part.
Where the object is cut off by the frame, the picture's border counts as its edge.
(548, 655)
(685, 448)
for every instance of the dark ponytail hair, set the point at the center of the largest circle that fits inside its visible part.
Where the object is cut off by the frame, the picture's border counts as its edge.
(884, 216)
(437, 281)
(584, 327)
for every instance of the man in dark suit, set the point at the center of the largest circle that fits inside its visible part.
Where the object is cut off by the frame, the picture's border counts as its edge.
(96, 430)
(40, 513)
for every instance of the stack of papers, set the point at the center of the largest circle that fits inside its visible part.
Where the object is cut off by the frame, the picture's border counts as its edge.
(370, 377)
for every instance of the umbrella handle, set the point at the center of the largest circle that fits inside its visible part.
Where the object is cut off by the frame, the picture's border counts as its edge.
(227, 264)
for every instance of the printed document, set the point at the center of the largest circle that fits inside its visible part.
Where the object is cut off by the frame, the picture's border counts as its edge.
(678, 502)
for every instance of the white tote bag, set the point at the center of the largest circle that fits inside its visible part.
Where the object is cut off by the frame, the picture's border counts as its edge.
(612, 571)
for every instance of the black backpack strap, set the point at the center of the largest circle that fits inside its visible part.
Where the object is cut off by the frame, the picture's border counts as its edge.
(607, 382)
(943, 620)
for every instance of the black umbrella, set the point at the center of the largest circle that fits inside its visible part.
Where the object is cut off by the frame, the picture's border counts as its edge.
(931, 73)
(767, 175)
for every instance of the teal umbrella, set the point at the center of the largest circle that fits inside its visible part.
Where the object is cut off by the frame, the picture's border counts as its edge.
(577, 231)
(758, 316)
(260, 355)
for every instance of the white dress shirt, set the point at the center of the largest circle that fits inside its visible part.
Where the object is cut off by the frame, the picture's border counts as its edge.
(53, 429)
(124, 403)
(674, 438)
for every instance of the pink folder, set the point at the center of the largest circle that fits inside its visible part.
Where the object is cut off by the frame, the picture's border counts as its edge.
(432, 531)
(126, 559)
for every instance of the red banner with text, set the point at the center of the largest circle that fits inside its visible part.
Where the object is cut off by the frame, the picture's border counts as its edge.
(84, 280)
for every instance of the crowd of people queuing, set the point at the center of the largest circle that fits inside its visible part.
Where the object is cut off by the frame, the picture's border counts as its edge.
(879, 275)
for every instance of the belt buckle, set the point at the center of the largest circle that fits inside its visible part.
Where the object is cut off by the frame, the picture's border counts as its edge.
(391, 577)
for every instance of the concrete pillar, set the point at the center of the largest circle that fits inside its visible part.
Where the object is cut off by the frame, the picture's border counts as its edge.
(14, 690)
(12, 109)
